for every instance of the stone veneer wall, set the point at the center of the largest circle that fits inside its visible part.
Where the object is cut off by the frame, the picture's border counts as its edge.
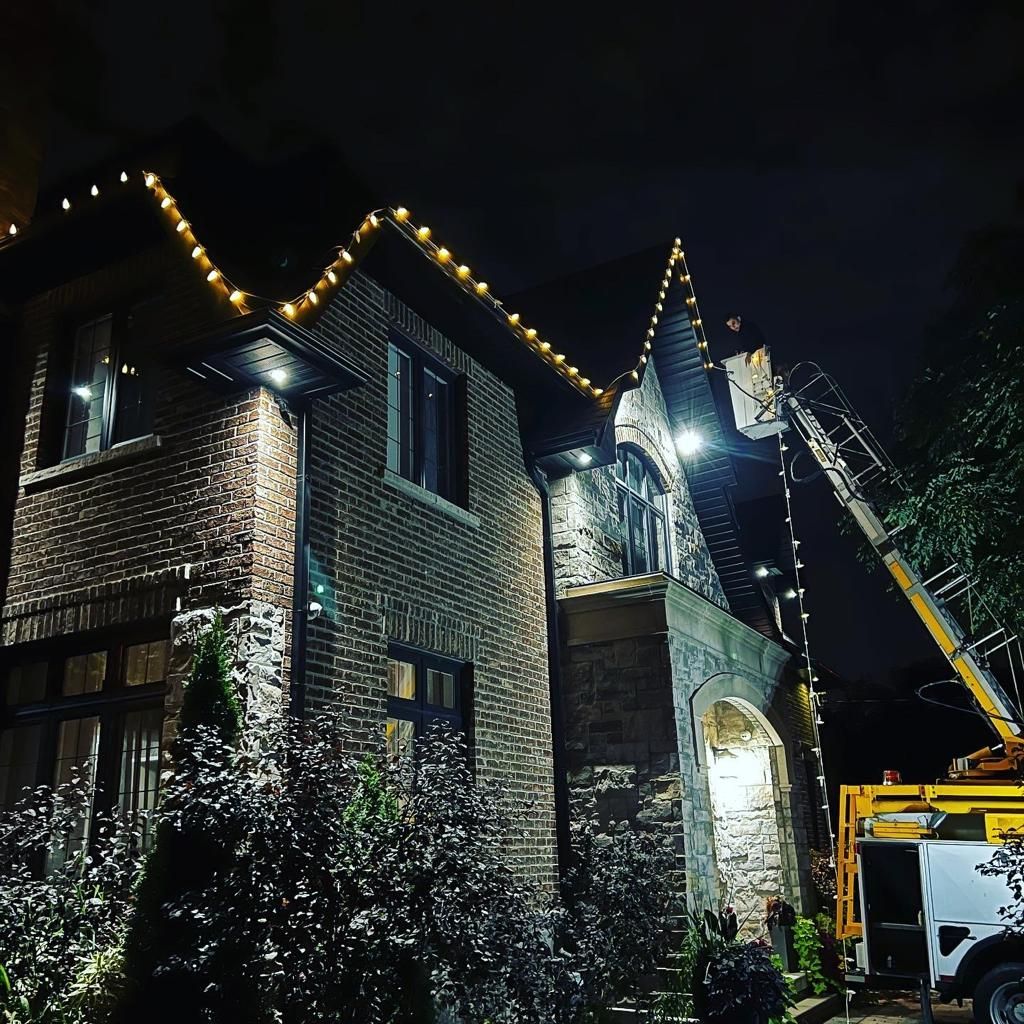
(644, 661)
(588, 536)
(743, 781)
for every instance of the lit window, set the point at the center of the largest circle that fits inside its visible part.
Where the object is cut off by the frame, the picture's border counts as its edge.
(423, 688)
(109, 394)
(642, 513)
(95, 715)
(421, 420)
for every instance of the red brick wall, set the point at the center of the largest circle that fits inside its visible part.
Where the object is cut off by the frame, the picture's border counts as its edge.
(395, 568)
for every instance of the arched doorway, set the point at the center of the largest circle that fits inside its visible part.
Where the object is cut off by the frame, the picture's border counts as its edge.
(743, 754)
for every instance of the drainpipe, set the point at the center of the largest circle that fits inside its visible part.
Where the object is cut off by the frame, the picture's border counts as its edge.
(558, 752)
(300, 589)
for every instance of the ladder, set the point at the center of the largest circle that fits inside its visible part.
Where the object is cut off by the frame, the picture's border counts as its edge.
(948, 603)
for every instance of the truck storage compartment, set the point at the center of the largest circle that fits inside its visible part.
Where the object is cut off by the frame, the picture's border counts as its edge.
(891, 876)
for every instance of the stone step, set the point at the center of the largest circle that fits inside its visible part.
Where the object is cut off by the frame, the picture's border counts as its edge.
(818, 1009)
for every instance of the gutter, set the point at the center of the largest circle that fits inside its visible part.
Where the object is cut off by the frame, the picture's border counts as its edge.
(558, 750)
(300, 581)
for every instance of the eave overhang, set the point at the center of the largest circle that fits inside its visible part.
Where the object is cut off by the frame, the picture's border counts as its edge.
(265, 349)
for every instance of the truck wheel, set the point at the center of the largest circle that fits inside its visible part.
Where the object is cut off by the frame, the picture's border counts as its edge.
(999, 996)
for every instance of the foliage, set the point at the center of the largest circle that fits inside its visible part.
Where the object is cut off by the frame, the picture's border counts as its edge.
(823, 877)
(963, 460)
(615, 899)
(742, 982)
(61, 907)
(210, 698)
(187, 853)
(1007, 862)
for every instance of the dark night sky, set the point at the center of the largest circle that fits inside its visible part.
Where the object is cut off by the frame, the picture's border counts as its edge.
(822, 165)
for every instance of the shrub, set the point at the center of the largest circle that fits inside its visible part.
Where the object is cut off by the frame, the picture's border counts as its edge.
(62, 907)
(615, 901)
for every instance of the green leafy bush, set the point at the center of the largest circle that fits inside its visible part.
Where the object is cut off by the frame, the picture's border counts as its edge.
(818, 956)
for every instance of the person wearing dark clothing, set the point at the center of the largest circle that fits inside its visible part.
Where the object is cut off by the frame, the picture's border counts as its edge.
(751, 335)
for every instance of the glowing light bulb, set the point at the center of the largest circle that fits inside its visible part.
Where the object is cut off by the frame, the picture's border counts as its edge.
(545, 346)
(311, 295)
(481, 287)
(597, 392)
(165, 202)
(288, 309)
(213, 275)
(689, 442)
(463, 271)
(373, 220)
(761, 571)
(423, 233)
(401, 214)
(585, 381)
(647, 346)
(278, 376)
(531, 333)
(94, 191)
(84, 392)
(197, 252)
(150, 180)
(698, 322)
(634, 374)
(181, 225)
(346, 255)
(12, 230)
(513, 319)
(558, 357)
(332, 277)
(236, 296)
(443, 255)
(124, 176)
(691, 301)
(66, 204)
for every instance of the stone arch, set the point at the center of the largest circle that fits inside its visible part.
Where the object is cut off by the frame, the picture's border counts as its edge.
(744, 757)
(648, 446)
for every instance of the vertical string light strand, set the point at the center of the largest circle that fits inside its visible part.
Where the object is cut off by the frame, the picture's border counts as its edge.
(816, 720)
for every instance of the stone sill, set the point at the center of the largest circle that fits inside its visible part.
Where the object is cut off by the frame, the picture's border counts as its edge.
(425, 497)
(93, 464)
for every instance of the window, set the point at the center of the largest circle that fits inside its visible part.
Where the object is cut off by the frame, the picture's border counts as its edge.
(422, 688)
(643, 514)
(421, 420)
(95, 713)
(109, 398)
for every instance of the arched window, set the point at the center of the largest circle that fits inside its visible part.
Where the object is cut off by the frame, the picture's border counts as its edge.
(643, 514)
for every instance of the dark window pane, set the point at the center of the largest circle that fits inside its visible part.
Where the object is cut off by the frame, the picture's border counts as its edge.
(134, 414)
(145, 663)
(140, 765)
(90, 375)
(400, 734)
(19, 761)
(437, 455)
(638, 536)
(84, 673)
(440, 688)
(401, 436)
(26, 684)
(627, 559)
(401, 680)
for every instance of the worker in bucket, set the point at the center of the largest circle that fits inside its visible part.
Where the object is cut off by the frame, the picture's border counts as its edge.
(751, 337)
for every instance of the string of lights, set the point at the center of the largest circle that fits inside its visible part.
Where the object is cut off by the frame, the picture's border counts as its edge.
(815, 695)
(347, 258)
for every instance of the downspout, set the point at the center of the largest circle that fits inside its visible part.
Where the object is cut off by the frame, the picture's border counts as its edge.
(300, 589)
(558, 751)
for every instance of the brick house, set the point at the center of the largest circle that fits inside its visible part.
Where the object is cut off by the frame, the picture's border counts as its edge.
(408, 502)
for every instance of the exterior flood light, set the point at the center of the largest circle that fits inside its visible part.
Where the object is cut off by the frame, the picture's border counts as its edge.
(761, 571)
(789, 594)
(584, 458)
(278, 376)
(689, 442)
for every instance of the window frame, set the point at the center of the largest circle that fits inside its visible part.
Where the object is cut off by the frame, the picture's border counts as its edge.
(627, 497)
(418, 710)
(111, 704)
(121, 350)
(423, 362)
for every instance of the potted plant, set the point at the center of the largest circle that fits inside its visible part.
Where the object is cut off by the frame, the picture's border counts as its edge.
(743, 986)
(734, 982)
(780, 919)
